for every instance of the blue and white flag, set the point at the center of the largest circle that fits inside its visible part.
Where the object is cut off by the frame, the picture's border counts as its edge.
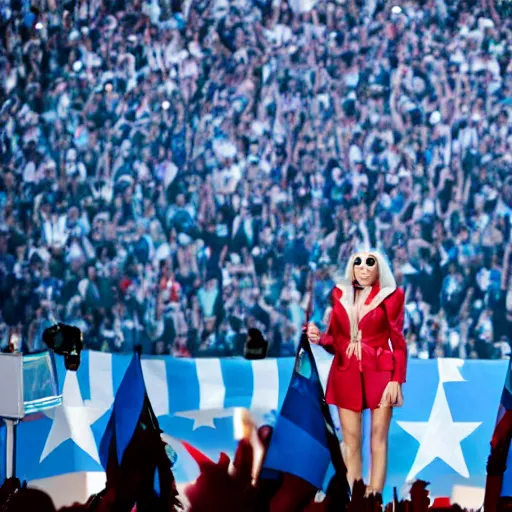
(441, 434)
(303, 441)
(126, 413)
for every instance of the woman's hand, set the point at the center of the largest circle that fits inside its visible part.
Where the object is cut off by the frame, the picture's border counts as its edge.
(313, 333)
(392, 396)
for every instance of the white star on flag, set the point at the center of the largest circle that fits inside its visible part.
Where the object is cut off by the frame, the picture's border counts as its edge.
(449, 370)
(206, 417)
(439, 437)
(72, 420)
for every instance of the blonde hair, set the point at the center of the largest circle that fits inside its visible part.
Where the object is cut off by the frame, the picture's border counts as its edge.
(386, 278)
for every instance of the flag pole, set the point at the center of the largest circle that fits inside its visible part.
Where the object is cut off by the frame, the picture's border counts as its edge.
(10, 445)
(332, 439)
(395, 500)
(309, 288)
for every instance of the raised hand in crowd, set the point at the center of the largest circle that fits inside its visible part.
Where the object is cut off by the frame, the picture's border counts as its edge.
(225, 487)
(222, 486)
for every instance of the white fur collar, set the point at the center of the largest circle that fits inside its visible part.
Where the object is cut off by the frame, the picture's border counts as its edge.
(347, 301)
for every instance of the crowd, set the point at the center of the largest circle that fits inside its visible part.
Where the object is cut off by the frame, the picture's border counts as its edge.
(16, 498)
(227, 486)
(174, 171)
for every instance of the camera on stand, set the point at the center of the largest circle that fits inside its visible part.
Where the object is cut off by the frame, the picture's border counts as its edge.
(66, 341)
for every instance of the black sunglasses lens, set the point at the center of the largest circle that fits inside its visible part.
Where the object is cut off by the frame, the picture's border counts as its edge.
(357, 261)
(370, 262)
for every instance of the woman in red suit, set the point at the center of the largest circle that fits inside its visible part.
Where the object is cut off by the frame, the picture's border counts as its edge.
(370, 358)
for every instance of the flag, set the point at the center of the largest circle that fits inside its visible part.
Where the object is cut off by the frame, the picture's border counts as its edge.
(193, 400)
(186, 460)
(503, 430)
(304, 443)
(503, 427)
(128, 405)
(499, 466)
(2, 451)
(132, 445)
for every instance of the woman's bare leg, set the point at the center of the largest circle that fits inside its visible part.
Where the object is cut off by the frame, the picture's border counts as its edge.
(351, 446)
(381, 419)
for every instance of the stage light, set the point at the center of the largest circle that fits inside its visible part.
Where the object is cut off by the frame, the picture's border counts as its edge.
(166, 105)
(396, 9)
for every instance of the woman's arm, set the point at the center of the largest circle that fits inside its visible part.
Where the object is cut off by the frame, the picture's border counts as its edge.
(394, 306)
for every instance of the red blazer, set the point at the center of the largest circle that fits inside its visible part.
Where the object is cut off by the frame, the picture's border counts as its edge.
(355, 384)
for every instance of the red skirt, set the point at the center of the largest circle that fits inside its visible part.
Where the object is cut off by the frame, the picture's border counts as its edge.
(358, 385)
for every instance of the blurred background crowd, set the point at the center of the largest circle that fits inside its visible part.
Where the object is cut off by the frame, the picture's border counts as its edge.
(173, 171)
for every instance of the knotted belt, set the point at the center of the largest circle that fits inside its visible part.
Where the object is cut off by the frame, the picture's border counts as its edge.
(355, 344)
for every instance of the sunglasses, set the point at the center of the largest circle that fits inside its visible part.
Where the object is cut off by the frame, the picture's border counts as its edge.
(370, 261)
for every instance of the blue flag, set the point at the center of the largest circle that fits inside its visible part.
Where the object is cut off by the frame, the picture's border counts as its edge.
(503, 430)
(303, 442)
(499, 463)
(128, 405)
